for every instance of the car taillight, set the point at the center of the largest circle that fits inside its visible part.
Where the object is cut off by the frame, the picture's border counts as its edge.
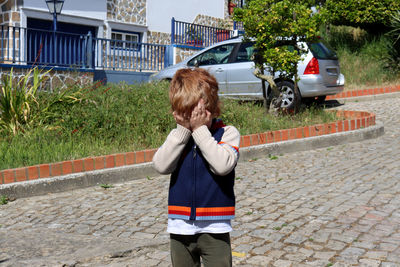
(312, 67)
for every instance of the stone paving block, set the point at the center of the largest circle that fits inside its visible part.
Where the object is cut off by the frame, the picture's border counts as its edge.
(364, 244)
(369, 263)
(388, 246)
(341, 264)
(378, 255)
(283, 263)
(389, 264)
(295, 257)
(324, 255)
(276, 254)
(335, 245)
(295, 239)
(318, 263)
(259, 261)
(142, 235)
(351, 255)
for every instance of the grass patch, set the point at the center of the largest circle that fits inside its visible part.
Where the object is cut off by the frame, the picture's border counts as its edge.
(106, 186)
(124, 118)
(3, 200)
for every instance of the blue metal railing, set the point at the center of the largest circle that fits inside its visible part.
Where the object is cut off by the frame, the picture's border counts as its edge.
(238, 3)
(195, 35)
(124, 55)
(25, 46)
(10, 45)
(238, 25)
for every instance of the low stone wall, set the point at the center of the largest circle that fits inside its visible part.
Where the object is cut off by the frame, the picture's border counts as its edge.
(57, 79)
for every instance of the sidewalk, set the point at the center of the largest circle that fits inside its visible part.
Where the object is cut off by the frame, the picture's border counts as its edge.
(67, 175)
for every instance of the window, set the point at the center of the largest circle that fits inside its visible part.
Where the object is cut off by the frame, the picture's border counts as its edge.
(125, 40)
(245, 52)
(322, 51)
(216, 55)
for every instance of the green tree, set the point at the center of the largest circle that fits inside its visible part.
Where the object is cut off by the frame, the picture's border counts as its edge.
(368, 14)
(278, 27)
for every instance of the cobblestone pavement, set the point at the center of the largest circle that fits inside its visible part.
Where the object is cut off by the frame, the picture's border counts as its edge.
(336, 206)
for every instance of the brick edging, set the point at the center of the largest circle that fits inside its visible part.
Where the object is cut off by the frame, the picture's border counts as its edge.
(365, 92)
(352, 120)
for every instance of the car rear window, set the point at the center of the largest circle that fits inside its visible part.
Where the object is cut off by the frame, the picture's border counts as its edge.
(322, 51)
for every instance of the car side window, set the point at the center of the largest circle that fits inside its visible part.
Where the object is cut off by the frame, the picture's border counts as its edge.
(245, 52)
(216, 55)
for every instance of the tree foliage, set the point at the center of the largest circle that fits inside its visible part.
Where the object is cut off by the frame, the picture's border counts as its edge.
(277, 26)
(368, 14)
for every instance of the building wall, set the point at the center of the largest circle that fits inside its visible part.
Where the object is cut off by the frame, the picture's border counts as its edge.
(160, 12)
(9, 14)
(150, 18)
(127, 11)
(93, 9)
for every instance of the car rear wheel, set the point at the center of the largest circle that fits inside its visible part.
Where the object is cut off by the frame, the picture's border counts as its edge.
(289, 95)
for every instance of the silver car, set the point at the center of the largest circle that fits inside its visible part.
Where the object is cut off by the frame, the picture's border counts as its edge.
(230, 62)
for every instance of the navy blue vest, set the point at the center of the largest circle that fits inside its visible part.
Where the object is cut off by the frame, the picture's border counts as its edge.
(195, 192)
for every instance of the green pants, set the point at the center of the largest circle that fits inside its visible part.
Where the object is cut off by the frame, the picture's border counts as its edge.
(214, 250)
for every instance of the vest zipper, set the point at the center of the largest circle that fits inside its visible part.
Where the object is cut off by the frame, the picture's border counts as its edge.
(193, 213)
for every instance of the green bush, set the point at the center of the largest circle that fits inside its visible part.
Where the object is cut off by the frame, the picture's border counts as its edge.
(368, 14)
(17, 100)
(365, 59)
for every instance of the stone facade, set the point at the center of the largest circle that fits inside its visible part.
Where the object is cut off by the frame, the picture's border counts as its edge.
(182, 53)
(158, 38)
(57, 79)
(9, 12)
(214, 22)
(127, 11)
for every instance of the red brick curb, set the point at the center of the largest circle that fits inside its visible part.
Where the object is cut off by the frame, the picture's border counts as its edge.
(365, 92)
(352, 120)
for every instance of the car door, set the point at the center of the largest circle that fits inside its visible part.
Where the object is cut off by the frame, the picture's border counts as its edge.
(215, 60)
(241, 81)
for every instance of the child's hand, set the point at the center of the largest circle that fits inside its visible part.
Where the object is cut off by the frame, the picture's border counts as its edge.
(200, 116)
(182, 119)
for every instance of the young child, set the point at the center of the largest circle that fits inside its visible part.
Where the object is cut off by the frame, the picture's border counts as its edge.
(200, 154)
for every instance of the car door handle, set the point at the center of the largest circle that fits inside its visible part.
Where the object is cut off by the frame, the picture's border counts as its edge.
(219, 70)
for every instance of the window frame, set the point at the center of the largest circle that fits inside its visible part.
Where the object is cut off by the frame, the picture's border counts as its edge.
(114, 42)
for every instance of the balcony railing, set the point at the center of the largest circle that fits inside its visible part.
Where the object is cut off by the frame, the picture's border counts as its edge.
(25, 46)
(238, 3)
(195, 35)
(124, 55)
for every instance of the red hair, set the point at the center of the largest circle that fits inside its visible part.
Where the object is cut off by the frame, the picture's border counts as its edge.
(188, 86)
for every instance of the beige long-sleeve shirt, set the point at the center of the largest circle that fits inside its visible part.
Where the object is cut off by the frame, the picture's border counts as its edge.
(222, 157)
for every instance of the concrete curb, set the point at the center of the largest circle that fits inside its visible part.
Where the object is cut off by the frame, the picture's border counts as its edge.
(310, 143)
(366, 98)
(132, 172)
